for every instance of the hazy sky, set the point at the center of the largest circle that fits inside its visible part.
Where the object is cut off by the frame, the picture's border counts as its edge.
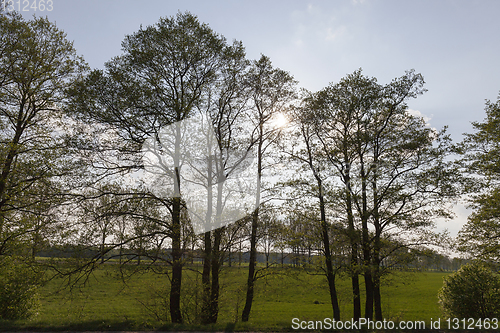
(454, 44)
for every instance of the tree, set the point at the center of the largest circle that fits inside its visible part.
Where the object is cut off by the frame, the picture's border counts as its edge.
(481, 151)
(37, 64)
(471, 292)
(305, 148)
(271, 90)
(160, 80)
(219, 154)
(392, 170)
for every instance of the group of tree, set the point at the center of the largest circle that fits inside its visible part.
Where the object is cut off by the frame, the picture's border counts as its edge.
(351, 185)
(377, 177)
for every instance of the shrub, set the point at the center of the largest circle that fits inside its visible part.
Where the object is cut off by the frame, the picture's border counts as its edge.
(18, 289)
(471, 292)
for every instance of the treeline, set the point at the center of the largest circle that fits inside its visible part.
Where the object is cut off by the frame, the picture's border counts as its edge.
(182, 149)
(427, 261)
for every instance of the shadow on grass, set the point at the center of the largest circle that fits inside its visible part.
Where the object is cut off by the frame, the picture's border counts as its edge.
(20, 326)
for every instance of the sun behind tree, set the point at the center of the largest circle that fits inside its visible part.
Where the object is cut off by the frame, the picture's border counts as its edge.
(280, 121)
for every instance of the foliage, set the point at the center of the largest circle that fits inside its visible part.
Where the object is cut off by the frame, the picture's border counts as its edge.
(272, 91)
(481, 159)
(472, 292)
(168, 73)
(382, 171)
(18, 289)
(375, 171)
(37, 63)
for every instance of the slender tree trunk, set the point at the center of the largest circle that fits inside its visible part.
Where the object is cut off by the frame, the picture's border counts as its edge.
(330, 275)
(365, 241)
(7, 164)
(175, 290)
(205, 279)
(251, 267)
(103, 242)
(216, 261)
(376, 246)
(376, 290)
(206, 312)
(245, 315)
(368, 284)
(353, 237)
(240, 254)
(356, 295)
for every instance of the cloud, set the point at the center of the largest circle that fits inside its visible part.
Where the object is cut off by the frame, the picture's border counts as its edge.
(316, 24)
(419, 114)
(333, 34)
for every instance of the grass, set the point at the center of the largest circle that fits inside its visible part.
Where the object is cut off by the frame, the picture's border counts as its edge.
(107, 302)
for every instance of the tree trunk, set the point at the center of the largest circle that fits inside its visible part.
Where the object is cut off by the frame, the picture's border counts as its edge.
(205, 279)
(365, 241)
(367, 260)
(240, 254)
(251, 267)
(216, 261)
(356, 296)
(376, 274)
(353, 238)
(376, 250)
(175, 290)
(369, 290)
(330, 275)
(376, 294)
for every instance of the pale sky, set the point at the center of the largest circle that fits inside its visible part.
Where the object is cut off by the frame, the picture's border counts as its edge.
(454, 44)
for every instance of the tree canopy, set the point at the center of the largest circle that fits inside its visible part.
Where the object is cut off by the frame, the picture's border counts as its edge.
(481, 160)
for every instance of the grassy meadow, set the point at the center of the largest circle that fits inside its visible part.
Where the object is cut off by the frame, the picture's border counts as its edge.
(118, 300)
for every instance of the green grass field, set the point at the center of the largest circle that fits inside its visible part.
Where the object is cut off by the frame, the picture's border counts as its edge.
(107, 302)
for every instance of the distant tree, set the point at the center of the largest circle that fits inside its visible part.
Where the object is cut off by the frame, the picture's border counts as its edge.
(471, 292)
(269, 233)
(479, 237)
